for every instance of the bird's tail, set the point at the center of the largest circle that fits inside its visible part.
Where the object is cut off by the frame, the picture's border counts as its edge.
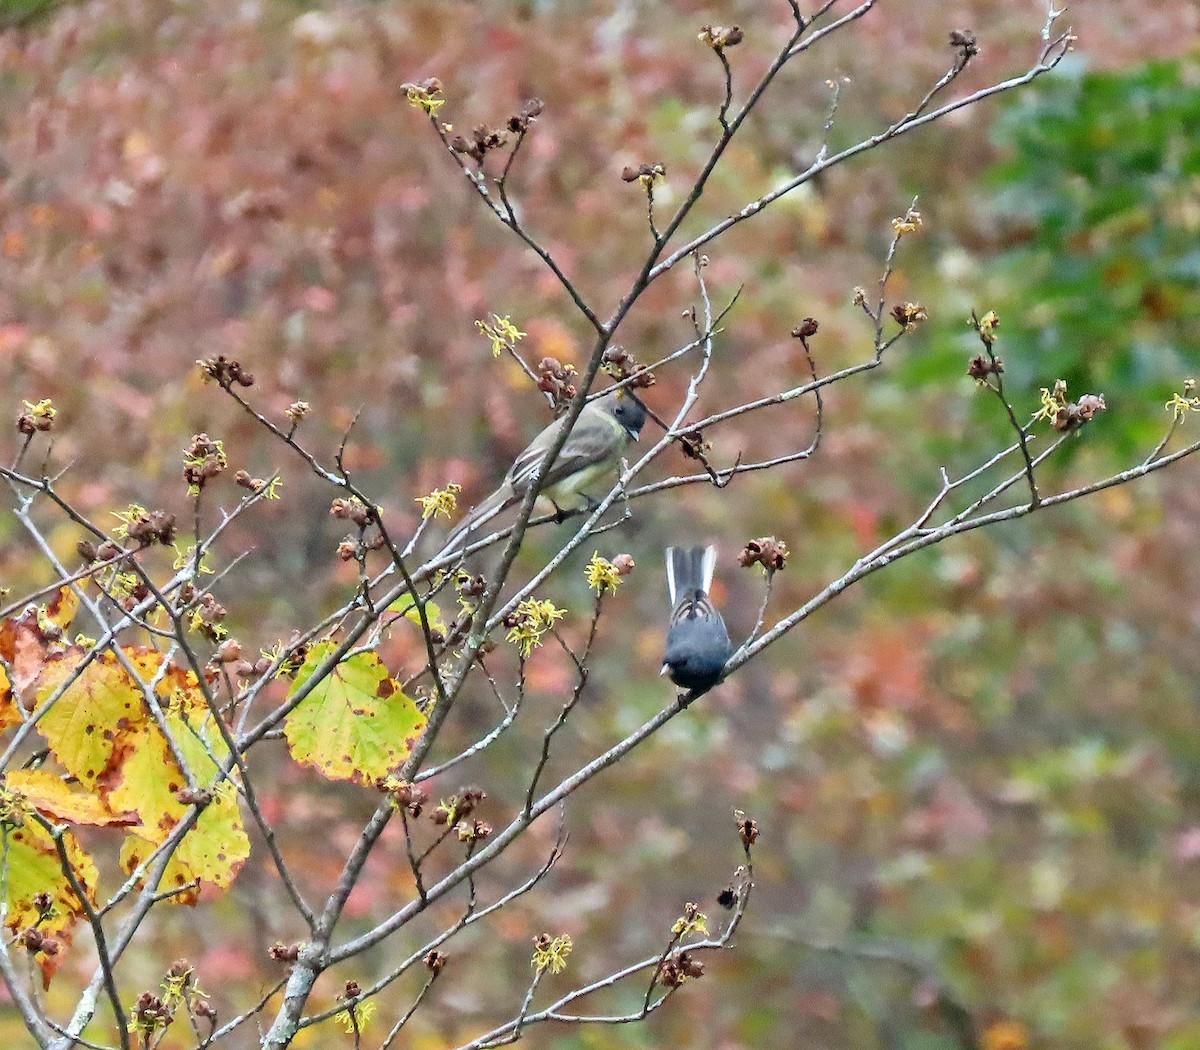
(500, 499)
(689, 569)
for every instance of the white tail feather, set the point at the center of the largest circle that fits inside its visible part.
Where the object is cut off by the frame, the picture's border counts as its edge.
(708, 565)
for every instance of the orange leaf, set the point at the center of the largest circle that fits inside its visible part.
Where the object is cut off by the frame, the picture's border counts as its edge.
(50, 795)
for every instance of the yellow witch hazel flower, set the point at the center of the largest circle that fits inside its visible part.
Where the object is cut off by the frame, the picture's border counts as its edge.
(601, 575)
(530, 622)
(127, 517)
(363, 1012)
(424, 96)
(551, 953)
(440, 501)
(502, 332)
(910, 223)
(38, 416)
(1052, 400)
(693, 920)
(1181, 404)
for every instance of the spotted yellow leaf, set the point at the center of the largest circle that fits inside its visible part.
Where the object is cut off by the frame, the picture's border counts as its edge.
(356, 723)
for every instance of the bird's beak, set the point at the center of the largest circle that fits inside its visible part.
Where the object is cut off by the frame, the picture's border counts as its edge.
(665, 669)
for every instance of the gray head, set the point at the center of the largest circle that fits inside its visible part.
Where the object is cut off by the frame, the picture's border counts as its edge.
(627, 410)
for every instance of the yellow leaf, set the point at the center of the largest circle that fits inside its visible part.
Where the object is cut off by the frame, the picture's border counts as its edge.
(10, 710)
(356, 724)
(33, 868)
(47, 793)
(146, 781)
(213, 851)
(146, 778)
(61, 609)
(87, 726)
(84, 725)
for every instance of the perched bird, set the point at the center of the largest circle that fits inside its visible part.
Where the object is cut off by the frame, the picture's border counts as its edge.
(697, 642)
(592, 451)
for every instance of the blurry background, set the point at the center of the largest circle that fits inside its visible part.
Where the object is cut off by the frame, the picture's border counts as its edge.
(977, 774)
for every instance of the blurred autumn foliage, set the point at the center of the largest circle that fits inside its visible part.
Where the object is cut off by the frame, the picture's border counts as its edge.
(977, 774)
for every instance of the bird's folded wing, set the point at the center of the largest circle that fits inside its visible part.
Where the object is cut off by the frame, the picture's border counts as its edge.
(586, 446)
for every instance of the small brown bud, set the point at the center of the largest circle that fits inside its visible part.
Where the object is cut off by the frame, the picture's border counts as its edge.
(909, 315)
(1089, 405)
(473, 586)
(747, 828)
(229, 651)
(670, 974)
(982, 366)
(805, 329)
(434, 961)
(693, 444)
(624, 564)
(109, 550)
(966, 42)
(281, 952)
(688, 965)
(193, 797)
(767, 551)
(352, 509)
(87, 550)
(721, 37)
(225, 371)
(244, 480)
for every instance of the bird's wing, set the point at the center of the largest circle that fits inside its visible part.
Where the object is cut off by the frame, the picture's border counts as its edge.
(594, 438)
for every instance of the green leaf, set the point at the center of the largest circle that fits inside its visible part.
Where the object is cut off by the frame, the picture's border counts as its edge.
(356, 724)
(405, 604)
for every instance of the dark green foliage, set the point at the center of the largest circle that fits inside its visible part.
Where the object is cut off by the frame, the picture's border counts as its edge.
(1098, 201)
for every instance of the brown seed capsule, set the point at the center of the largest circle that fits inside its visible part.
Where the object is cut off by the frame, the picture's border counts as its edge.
(767, 551)
(747, 829)
(434, 961)
(966, 42)
(109, 550)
